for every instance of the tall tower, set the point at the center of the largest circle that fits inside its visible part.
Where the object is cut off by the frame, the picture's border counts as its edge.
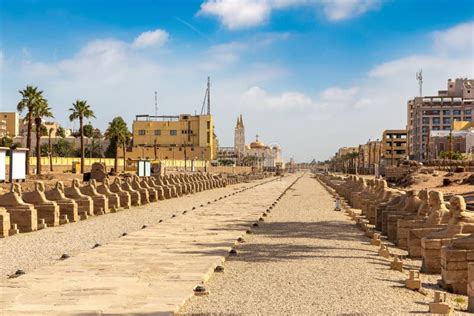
(239, 136)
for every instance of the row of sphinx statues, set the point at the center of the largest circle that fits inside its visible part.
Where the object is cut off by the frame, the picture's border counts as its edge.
(22, 212)
(425, 223)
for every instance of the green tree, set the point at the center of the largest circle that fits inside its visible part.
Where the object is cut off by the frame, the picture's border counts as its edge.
(88, 130)
(79, 111)
(63, 148)
(6, 141)
(40, 111)
(61, 132)
(118, 133)
(31, 97)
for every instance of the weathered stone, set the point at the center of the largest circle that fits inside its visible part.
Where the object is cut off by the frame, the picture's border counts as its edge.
(114, 199)
(124, 196)
(67, 206)
(101, 203)
(22, 214)
(440, 306)
(4, 222)
(47, 210)
(84, 203)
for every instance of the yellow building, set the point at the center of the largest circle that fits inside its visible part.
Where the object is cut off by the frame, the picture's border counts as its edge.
(394, 144)
(173, 137)
(10, 124)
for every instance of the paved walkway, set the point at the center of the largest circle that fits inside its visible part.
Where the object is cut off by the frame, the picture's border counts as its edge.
(307, 259)
(149, 271)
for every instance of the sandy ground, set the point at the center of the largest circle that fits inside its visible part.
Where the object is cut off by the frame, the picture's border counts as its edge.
(32, 250)
(307, 259)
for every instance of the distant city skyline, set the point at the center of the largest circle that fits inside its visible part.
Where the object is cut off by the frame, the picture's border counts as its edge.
(311, 76)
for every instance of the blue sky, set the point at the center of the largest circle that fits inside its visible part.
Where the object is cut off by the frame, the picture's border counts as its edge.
(310, 75)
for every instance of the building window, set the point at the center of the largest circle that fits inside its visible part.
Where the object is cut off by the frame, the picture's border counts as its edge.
(446, 120)
(208, 124)
(456, 112)
(435, 128)
(446, 128)
(426, 120)
(157, 132)
(173, 132)
(446, 112)
(468, 118)
(208, 137)
(436, 120)
(467, 112)
(141, 132)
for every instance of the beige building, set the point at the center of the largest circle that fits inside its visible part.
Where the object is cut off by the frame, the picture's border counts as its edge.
(9, 124)
(436, 113)
(183, 137)
(394, 146)
(259, 154)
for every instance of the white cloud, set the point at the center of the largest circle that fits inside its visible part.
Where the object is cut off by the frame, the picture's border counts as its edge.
(339, 95)
(337, 10)
(236, 14)
(155, 38)
(258, 97)
(240, 14)
(459, 38)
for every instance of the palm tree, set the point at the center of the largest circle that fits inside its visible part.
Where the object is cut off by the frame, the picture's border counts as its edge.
(118, 133)
(81, 110)
(31, 97)
(40, 111)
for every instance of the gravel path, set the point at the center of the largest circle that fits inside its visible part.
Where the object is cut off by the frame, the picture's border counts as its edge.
(32, 250)
(307, 259)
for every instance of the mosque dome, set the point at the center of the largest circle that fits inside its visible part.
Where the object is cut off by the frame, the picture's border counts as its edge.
(257, 144)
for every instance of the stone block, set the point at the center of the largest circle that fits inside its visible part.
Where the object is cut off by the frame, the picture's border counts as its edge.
(413, 282)
(22, 214)
(470, 287)
(67, 207)
(47, 210)
(4, 222)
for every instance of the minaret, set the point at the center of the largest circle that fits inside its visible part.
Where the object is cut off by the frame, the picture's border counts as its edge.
(239, 136)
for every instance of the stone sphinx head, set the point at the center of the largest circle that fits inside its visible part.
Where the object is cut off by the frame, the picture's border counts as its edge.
(59, 186)
(39, 186)
(118, 181)
(412, 193)
(16, 188)
(435, 199)
(75, 183)
(423, 195)
(457, 205)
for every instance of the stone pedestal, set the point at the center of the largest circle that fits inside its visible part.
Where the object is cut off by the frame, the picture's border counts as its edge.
(4, 222)
(414, 239)
(403, 230)
(85, 205)
(47, 210)
(454, 269)
(67, 207)
(22, 214)
(431, 254)
(470, 287)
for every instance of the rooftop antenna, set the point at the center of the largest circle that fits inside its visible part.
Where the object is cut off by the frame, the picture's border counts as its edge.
(207, 97)
(419, 77)
(156, 103)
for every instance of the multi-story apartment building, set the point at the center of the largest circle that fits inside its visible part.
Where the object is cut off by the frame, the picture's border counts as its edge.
(394, 146)
(436, 113)
(11, 123)
(183, 137)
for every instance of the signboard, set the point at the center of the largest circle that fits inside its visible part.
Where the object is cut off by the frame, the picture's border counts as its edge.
(3, 164)
(144, 168)
(17, 165)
